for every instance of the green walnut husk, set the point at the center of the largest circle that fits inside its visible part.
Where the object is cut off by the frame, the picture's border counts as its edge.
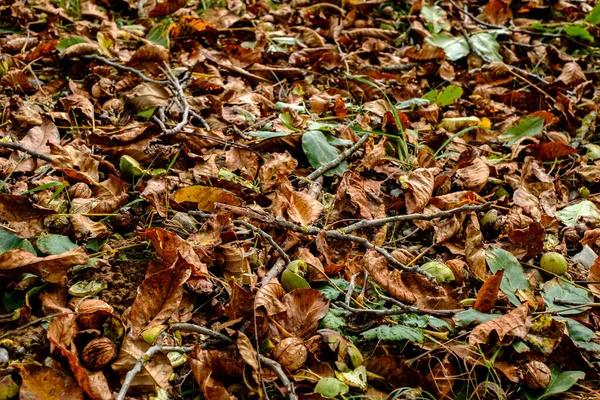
(293, 276)
(440, 271)
(131, 167)
(554, 262)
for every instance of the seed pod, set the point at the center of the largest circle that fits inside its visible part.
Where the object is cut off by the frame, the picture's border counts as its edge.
(98, 353)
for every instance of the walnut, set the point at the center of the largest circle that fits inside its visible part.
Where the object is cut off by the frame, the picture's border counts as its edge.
(92, 313)
(291, 353)
(98, 353)
(537, 375)
(80, 191)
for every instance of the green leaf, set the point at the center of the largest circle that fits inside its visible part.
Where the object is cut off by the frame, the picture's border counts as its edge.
(333, 320)
(454, 47)
(449, 95)
(514, 277)
(579, 31)
(432, 96)
(558, 289)
(571, 214)
(159, 35)
(10, 241)
(332, 293)
(335, 141)
(322, 126)
(467, 317)
(559, 383)
(394, 333)
(594, 16)
(582, 336)
(268, 134)
(331, 388)
(320, 152)
(147, 113)
(54, 244)
(42, 187)
(436, 18)
(65, 43)
(528, 126)
(485, 43)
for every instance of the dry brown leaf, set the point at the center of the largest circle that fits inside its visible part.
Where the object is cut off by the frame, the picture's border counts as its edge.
(420, 189)
(488, 294)
(155, 372)
(305, 308)
(158, 297)
(40, 382)
(52, 268)
(502, 330)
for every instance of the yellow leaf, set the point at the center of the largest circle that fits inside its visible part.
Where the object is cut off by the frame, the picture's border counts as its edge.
(205, 197)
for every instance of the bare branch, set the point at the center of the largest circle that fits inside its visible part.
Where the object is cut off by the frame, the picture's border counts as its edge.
(147, 356)
(266, 236)
(410, 217)
(21, 147)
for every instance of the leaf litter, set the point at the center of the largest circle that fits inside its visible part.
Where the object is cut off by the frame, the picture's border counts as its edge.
(302, 200)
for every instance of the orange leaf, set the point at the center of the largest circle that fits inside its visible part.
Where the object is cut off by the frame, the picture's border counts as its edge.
(488, 294)
(166, 7)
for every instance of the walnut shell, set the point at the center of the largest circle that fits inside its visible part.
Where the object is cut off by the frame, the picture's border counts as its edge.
(98, 353)
(537, 375)
(92, 312)
(80, 191)
(291, 353)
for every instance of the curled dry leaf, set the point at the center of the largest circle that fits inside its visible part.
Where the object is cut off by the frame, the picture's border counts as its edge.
(420, 189)
(502, 329)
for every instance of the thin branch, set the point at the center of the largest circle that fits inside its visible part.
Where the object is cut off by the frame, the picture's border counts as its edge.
(336, 161)
(201, 330)
(21, 147)
(134, 71)
(488, 25)
(313, 230)
(410, 217)
(274, 272)
(152, 351)
(267, 237)
(274, 365)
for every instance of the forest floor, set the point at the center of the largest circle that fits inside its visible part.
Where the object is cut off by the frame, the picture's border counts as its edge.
(360, 199)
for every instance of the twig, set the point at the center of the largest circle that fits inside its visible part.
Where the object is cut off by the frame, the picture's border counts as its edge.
(274, 365)
(331, 234)
(336, 161)
(253, 228)
(147, 356)
(410, 217)
(139, 73)
(21, 147)
(201, 330)
(488, 25)
(402, 309)
(274, 272)
(266, 236)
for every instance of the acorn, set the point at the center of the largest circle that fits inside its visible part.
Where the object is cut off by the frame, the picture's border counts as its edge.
(98, 353)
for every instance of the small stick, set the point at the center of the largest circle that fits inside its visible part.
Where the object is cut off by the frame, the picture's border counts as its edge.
(409, 217)
(266, 236)
(274, 272)
(125, 68)
(336, 161)
(147, 356)
(21, 147)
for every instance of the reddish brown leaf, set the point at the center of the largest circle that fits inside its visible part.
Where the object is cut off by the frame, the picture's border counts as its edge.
(550, 151)
(488, 294)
